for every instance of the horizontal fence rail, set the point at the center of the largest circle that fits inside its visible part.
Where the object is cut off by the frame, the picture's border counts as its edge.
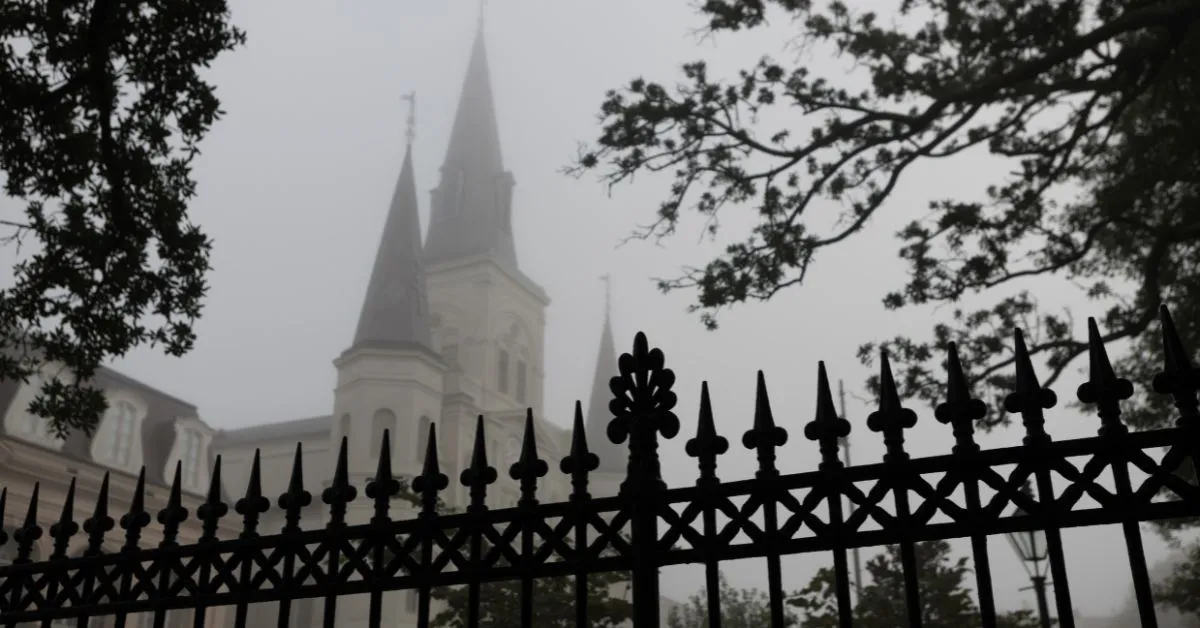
(969, 493)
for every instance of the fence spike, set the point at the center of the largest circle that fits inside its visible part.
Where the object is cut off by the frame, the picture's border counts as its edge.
(66, 527)
(479, 475)
(211, 511)
(341, 491)
(253, 504)
(431, 479)
(1029, 398)
(529, 468)
(384, 486)
(765, 436)
(136, 519)
(1179, 378)
(3, 505)
(579, 462)
(707, 444)
(174, 514)
(295, 498)
(99, 523)
(892, 418)
(960, 409)
(827, 428)
(1103, 387)
(29, 532)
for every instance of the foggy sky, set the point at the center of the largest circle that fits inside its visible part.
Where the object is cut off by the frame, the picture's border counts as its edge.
(294, 184)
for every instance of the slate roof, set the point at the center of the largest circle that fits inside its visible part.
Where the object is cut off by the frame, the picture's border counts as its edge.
(395, 311)
(293, 430)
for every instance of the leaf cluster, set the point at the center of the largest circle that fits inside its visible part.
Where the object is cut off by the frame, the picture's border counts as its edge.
(104, 104)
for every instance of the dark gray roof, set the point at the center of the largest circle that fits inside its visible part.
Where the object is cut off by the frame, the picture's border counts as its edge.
(158, 428)
(472, 205)
(395, 311)
(295, 429)
(613, 457)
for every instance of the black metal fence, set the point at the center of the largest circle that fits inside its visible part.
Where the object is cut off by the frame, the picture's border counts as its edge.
(969, 493)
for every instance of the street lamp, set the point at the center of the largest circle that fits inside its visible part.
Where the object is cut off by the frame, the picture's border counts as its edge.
(1030, 547)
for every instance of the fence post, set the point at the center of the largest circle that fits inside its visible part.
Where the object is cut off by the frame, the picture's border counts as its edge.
(641, 408)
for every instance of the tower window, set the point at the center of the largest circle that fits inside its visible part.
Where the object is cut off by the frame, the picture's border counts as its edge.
(344, 425)
(521, 381)
(502, 372)
(384, 420)
(423, 438)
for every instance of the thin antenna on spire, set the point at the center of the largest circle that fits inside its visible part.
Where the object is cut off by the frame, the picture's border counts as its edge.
(482, 6)
(410, 132)
(607, 279)
(858, 587)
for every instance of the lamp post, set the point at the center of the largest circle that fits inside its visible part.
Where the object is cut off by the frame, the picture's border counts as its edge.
(1030, 547)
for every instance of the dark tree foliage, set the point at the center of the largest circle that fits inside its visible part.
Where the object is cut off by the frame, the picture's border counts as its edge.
(553, 599)
(740, 608)
(102, 106)
(945, 600)
(1095, 103)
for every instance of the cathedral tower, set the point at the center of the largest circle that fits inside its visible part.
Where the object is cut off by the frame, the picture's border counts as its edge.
(488, 317)
(391, 378)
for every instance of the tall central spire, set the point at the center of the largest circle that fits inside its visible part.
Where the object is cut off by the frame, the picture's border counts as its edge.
(613, 458)
(472, 205)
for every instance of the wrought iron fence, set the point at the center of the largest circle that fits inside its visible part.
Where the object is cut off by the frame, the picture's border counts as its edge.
(968, 493)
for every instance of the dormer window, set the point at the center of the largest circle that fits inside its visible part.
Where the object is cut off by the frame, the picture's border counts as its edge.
(189, 451)
(119, 445)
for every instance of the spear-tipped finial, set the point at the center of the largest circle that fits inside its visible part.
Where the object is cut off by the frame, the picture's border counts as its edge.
(174, 514)
(1103, 387)
(529, 468)
(765, 436)
(1029, 398)
(707, 444)
(211, 511)
(295, 499)
(579, 462)
(29, 532)
(253, 504)
(100, 522)
(66, 527)
(1179, 378)
(892, 418)
(410, 123)
(134, 521)
(960, 410)
(384, 486)
(431, 479)
(827, 428)
(479, 475)
(340, 492)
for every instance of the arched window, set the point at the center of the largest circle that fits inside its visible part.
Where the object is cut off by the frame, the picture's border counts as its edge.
(502, 372)
(122, 417)
(423, 437)
(522, 380)
(384, 420)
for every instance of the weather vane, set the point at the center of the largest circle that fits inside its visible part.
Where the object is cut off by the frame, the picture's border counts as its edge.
(411, 132)
(607, 279)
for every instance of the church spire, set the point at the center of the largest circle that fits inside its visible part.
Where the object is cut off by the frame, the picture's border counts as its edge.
(472, 205)
(613, 458)
(395, 312)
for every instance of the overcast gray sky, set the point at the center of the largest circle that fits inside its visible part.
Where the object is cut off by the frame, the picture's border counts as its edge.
(294, 184)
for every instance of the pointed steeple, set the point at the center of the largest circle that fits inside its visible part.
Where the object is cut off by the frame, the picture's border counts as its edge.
(395, 312)
(613, 458)
(472, 205)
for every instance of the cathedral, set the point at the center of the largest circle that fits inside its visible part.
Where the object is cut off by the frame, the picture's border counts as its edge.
(451, 329)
